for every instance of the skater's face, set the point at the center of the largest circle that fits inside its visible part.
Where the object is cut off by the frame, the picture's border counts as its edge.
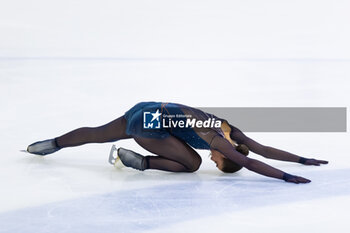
(218, 158)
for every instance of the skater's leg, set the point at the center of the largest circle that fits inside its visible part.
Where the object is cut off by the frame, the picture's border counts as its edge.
(173, 154)
(164, 164)
(110, 132)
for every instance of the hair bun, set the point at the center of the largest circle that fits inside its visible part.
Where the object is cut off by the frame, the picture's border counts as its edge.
(242, 149)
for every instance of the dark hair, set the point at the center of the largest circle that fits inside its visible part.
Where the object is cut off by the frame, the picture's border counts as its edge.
(243, 149)
(230, 166)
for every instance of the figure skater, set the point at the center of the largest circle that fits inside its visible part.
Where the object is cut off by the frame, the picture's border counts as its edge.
(173, 145)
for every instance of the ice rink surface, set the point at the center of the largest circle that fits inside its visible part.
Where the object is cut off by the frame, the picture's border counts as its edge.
(68, 64)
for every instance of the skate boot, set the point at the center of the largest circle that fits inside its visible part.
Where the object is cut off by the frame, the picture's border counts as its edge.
(128, 158)
(43, 147)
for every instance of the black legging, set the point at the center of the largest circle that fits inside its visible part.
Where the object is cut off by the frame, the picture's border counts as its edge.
(173, 154)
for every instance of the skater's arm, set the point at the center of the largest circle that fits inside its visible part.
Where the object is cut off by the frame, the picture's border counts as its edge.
(222, 145)
(277, 154)
(270, 152)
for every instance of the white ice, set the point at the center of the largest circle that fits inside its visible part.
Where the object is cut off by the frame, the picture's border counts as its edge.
(66, 64)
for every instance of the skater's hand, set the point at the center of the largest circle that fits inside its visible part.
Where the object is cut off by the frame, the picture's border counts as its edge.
(295, 179)
(298, 179)
(315, 162)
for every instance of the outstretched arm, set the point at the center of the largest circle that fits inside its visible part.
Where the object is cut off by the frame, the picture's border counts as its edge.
(222, 145)
(270, 152)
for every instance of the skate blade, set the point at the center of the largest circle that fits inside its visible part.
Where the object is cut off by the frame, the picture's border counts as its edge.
(114, 158)
(112, 155)
(118, 163)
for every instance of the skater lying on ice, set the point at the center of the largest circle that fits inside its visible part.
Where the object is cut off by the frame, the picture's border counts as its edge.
(171, 131)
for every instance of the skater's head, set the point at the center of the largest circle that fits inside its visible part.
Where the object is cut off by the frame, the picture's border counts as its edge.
(222, 163)
(226, 165)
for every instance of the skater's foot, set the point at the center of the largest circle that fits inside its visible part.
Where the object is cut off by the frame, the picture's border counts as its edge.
(129, 158)
(43, 147)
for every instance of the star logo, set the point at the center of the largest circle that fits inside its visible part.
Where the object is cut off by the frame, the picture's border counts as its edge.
(155, 115)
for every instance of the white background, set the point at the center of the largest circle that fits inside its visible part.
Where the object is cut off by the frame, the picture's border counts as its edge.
(66, 64)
